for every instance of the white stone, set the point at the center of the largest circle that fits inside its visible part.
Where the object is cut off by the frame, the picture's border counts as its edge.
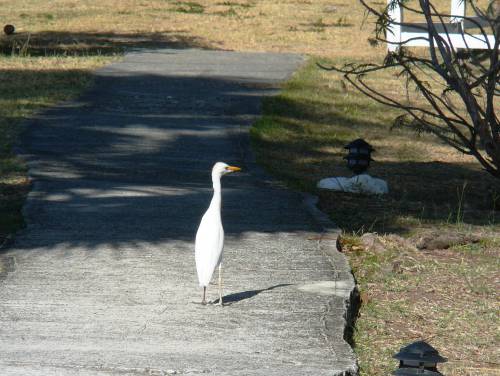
(363, 183)
(337, 288)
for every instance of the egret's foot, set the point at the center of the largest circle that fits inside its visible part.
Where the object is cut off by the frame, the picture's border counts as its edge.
(200, 303)
(217, 302)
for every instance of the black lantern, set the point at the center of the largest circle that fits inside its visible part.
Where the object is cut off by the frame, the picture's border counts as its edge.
(359, 156)
(418, 358)
(415, 372)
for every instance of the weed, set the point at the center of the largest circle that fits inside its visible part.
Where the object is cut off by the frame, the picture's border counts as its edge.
(48, 16)
(342, 22)
(460, 209)
(188, 7)
(233, 4)
(319, 23)
(21, 47)
(227, 13)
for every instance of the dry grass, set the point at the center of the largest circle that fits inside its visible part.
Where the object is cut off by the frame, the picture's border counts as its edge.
(446, 297)
(319, 27)
(329, 28)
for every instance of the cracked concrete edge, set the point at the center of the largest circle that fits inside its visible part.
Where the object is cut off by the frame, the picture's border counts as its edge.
(339, 342)
(349, 297)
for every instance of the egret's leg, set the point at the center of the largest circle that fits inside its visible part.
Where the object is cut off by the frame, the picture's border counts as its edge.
(220, 284)
(204, 301)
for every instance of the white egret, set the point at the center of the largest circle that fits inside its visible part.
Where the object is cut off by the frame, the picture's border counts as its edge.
(210, 235)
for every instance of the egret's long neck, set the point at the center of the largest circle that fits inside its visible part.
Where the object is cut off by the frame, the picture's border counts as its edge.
(217, 198)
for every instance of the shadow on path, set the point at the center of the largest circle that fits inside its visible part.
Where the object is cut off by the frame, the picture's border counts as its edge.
(239, 296)
(130, 160)
(68, 43)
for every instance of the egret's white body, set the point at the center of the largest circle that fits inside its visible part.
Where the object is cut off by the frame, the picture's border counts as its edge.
(209, 242)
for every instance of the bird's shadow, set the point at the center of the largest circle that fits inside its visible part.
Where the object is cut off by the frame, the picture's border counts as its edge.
(239, 296)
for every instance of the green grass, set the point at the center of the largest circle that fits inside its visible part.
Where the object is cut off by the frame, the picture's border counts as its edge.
(227, 13)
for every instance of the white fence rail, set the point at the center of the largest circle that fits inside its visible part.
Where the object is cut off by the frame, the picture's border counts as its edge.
(400, 33)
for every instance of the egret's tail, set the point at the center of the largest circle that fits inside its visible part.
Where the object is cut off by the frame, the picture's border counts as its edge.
(205, 273)
(204, 282)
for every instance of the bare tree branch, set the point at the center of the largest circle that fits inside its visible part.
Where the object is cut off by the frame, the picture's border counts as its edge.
(462, 86)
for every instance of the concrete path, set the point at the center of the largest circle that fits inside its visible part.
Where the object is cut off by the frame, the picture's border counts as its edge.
(102, 281)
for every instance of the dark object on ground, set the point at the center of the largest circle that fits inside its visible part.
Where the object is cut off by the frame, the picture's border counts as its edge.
(418, 356)
(9, 29)
(445, 240)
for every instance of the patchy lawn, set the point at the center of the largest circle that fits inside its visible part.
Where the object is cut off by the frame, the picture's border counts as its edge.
(448, 297)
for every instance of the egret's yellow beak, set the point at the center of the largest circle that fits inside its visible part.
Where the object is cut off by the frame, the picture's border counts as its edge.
(233, 168)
